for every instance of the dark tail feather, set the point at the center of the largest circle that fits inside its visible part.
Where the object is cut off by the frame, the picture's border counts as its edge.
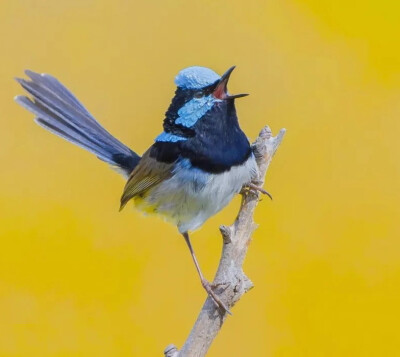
(58, 111)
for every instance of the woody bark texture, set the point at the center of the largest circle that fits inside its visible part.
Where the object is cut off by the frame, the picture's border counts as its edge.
(230, 282)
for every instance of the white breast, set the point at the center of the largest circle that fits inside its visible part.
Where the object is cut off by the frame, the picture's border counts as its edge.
(191, 196)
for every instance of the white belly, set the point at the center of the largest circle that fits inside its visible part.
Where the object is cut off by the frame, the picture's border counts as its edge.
(191, 196)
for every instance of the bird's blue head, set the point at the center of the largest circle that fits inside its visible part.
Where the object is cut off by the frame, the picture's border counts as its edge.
(201, 100)
(201, 124)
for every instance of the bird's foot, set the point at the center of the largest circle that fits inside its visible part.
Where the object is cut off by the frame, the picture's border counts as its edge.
(255, 188)
(208, 287)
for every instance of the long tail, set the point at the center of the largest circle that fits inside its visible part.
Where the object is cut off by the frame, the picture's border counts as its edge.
(57, 110)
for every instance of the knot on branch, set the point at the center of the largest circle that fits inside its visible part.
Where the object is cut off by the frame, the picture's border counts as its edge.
(232, 284)
(243, 285)
(226, 232)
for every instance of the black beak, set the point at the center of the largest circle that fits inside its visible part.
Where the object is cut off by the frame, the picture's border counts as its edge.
(221, 90)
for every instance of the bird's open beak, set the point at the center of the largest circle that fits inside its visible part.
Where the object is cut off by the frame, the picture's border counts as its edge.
(221, 90)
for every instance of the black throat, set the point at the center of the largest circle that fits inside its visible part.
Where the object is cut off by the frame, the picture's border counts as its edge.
(219, 143)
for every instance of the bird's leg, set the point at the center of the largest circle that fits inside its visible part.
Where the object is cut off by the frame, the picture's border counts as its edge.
(256, 188)
(204, 282)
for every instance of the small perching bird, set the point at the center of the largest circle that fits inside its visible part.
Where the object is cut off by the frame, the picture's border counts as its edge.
(194, 168)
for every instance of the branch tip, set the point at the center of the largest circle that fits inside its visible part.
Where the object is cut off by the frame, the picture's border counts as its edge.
(265, 133)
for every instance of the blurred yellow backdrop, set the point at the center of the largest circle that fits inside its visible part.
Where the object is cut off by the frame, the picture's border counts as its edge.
(77, 278)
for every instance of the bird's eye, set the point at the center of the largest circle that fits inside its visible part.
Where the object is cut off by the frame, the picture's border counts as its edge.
(198, 94)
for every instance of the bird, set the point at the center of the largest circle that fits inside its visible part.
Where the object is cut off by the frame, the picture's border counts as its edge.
(192, 170)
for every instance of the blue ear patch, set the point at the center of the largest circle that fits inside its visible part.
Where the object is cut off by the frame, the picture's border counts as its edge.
(194, 110)
(168, 137)
(196, 77)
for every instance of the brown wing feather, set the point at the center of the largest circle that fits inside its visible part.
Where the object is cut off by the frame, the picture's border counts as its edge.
(147, 174)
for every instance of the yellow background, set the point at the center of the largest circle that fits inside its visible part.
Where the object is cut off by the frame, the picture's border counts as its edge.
(77, 278)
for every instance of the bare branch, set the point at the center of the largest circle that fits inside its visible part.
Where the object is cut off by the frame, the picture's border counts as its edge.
(230, 282)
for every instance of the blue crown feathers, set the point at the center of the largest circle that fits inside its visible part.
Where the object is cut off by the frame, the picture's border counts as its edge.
(196, 77)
